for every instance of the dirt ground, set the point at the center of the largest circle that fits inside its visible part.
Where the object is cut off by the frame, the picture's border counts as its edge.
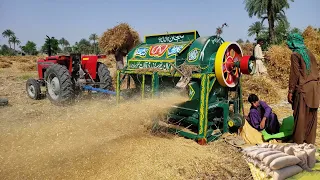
(95, 139)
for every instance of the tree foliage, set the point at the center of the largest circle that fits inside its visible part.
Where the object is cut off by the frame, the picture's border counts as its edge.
(85, 46)
(64, 43)
(30, 48)
(15, 41)
(255, 29)
(54, 46)
(5, 50)
(94, 37)
(272, 10)
(8, 33)
(295, 30)
(240, 41)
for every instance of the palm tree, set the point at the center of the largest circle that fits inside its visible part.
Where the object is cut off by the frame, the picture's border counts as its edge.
(7, 34)
(255, 29)
(93, 37)
(13, 39)
(267, 9)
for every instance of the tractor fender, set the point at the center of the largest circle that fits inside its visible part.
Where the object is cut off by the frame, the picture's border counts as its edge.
(89, 63)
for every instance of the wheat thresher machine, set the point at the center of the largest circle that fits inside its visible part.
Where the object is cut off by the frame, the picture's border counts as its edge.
(211, 78)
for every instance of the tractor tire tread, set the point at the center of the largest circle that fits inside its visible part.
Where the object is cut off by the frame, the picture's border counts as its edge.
(104, 76)
(66, 85)
(36, 85)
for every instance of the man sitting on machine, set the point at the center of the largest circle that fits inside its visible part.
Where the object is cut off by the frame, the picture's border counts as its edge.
(261, 116)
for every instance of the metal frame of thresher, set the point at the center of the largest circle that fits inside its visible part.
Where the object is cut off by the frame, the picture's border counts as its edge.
(207, 82)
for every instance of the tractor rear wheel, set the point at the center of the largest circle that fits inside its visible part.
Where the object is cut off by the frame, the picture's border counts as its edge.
(33, 89)
(59, 84)
(104, 77)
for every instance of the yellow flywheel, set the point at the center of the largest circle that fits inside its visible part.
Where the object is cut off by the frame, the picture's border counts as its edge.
(227, 73)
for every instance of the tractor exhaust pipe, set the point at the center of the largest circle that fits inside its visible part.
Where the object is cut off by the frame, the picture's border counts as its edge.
(49, 46)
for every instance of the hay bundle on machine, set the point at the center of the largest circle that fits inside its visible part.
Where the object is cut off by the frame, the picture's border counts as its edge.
(118, 41)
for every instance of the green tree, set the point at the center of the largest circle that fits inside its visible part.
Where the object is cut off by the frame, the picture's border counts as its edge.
(5, 50)
(68, 49)
(54, 46)
(281, 31)
(84, 46)
(30, 48)
(64, 43)
(295, 30)
(240, 41)
(255, 29)
(94, 37)
(247, 41)
(267, 9)
(75, 48)
(15, 41)
(8, 34)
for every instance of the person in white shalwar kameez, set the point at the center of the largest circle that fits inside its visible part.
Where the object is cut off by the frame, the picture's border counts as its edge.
(260, 68)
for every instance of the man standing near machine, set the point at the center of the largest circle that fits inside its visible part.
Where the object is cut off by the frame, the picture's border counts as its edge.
(259, 57)
(304, 90)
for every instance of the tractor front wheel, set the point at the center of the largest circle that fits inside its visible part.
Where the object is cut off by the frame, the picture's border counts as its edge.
(104, 77)
(59, 85)
(33, 89)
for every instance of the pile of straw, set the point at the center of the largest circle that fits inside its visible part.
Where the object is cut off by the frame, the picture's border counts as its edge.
(247, 49)
(119, 38)
(25, 67)
(5, 62)
(21, 61)
(279, 64)
(312, 40)
(263, 87)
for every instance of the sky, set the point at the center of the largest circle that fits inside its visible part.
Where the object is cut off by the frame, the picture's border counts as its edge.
(75, 19)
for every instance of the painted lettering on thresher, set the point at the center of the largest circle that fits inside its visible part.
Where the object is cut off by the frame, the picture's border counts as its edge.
(170, 38)
(142, 51)
(174, 49)
(193, 54)
(158, 50)
(156, 65)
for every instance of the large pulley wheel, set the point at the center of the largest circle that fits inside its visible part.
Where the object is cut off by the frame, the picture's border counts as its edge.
(227, 62)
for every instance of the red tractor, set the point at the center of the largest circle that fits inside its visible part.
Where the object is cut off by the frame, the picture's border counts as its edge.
(67, 75)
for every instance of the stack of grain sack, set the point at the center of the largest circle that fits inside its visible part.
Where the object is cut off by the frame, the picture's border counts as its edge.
(281, 161)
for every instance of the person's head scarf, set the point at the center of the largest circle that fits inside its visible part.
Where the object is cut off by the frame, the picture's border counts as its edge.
(296, 44)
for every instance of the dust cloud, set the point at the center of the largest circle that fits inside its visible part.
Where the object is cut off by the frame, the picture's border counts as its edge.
(69, 142)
